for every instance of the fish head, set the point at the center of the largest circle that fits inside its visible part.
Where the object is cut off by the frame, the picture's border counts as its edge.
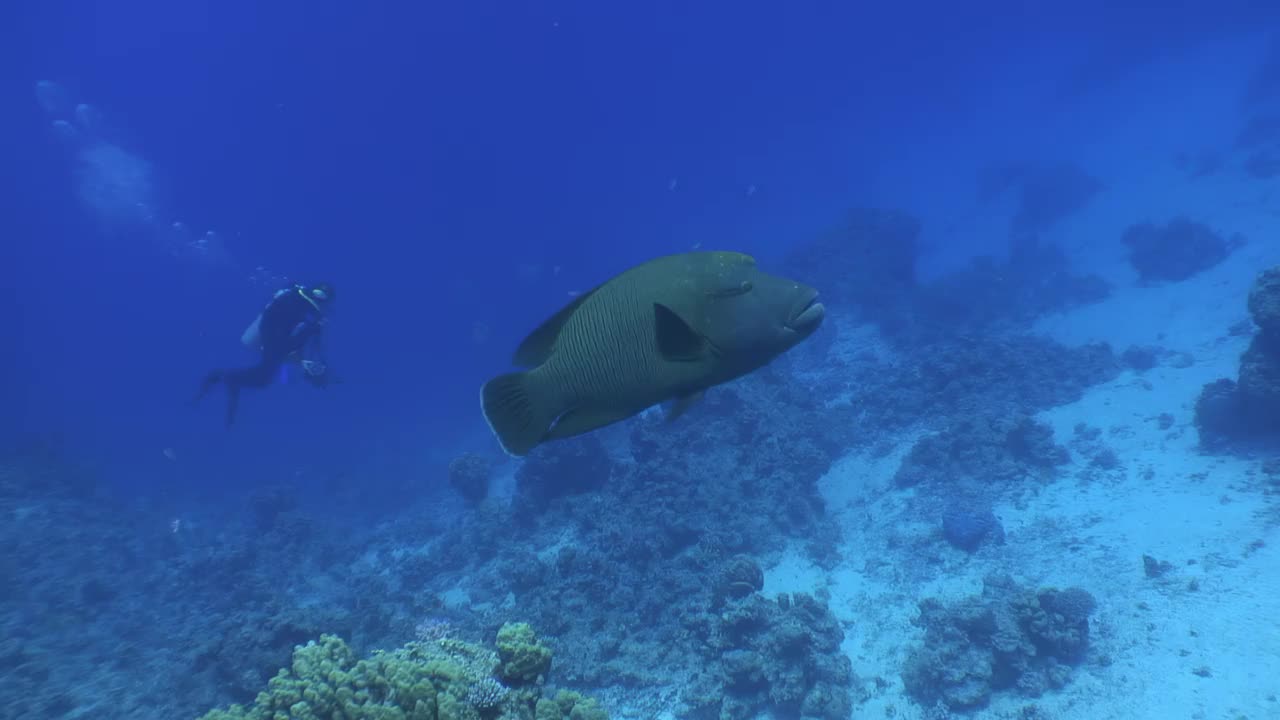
(761, 317)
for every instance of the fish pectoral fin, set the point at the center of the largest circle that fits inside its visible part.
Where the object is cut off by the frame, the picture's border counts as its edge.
(682, 404)
(676, 340)
(537, 347)
(582, 420)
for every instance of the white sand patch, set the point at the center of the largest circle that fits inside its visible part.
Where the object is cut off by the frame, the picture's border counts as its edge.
(1194, 316)
(793, 573)
(1200, 641)
(874, 597)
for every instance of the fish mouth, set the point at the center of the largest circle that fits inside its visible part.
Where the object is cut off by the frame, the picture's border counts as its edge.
(808, 316)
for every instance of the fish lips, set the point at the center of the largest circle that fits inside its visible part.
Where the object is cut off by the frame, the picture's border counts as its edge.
(807, 315)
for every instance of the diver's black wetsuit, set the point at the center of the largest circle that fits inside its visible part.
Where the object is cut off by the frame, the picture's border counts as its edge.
(288, 325)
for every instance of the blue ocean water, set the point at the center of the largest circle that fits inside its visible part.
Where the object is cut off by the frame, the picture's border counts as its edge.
(1039, 231)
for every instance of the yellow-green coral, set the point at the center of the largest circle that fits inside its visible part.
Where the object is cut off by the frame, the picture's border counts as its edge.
(524, 658)
(568, 705)
(443, 679)
(420, 681)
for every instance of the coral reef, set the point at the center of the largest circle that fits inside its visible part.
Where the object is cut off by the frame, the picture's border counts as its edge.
(469, 475)
(569, 705)
(1035, 280)
(634, 548)
(740, 577)
(1046, 194)
(1008, 638)
(577, 465)
(267, 504)
(1175, 251)
(1230, 412)
(1154, 568)
(1140, 358)
(955, 379)
(967, 527)
(148, 592)
(618, 573)
(868, 262)
(1259, 383)
(524, 660)
(782, 657)
(442, 679)
(1248, 409)
(985, 449)
(1219, 416)
(1264, 302)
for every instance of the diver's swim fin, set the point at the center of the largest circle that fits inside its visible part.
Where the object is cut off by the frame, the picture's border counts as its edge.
(233, 393)
(213, 378)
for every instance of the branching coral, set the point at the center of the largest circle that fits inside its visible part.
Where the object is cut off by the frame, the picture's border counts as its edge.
(569, 706)
(524, 658)
(443, 679)
(1008, 638)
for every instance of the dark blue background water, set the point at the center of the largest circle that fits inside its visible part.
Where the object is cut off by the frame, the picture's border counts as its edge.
(437, 161)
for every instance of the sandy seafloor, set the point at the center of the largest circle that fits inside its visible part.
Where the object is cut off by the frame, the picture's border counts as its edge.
(1174, 652)
(1202, 641)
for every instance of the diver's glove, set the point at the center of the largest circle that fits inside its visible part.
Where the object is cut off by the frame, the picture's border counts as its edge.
(318, 374)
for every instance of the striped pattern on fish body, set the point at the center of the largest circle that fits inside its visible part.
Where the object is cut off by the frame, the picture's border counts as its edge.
(666, 329)
(615, 326)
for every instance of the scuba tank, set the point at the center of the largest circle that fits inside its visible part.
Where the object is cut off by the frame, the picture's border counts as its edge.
(251, 336)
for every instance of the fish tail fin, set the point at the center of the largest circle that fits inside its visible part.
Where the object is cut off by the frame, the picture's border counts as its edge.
(514, 412)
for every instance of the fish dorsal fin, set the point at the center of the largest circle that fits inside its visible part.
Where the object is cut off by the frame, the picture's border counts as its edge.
(537, 347)
(676, 340)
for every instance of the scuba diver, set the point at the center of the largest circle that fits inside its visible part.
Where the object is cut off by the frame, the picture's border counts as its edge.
(289, 329)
